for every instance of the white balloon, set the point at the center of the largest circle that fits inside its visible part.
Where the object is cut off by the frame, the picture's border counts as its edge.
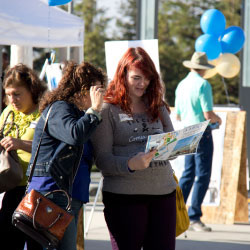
(211, 72)
(228, 65)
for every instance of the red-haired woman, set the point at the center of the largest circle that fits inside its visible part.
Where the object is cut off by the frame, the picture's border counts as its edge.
(138, 193)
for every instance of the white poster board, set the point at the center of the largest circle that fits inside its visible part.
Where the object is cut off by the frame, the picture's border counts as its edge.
(114, 50)
(212, 197)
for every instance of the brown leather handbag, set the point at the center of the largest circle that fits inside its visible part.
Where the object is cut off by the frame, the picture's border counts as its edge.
(11, 172)
(39, 217)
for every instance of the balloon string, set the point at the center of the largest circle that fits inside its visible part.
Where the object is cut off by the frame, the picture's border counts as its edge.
(225, 87)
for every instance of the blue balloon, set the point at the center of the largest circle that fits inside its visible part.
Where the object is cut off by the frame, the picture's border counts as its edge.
(57, 2)
(213, 22)
(232, 40)
(208, 44)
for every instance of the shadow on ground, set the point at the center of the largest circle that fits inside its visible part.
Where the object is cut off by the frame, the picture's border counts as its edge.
(205, 245)
(180, 245)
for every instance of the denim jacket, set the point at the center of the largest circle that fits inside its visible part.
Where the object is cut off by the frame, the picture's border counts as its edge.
(62, 142)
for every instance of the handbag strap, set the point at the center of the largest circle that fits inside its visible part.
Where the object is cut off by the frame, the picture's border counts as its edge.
(12, 124)
(68, 207)
(38, 147)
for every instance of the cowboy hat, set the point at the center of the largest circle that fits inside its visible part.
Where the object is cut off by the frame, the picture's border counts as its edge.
(198, 61)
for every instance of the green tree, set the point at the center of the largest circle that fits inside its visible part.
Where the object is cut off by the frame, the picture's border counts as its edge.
(233, 13)
(178, 29)
(95, 25)
(126, 25)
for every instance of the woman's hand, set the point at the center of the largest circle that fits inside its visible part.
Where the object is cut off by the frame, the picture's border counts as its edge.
(10, 143)
(141, 160)
(96, 96)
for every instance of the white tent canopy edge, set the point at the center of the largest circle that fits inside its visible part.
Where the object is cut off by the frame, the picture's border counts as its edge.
(34, 23)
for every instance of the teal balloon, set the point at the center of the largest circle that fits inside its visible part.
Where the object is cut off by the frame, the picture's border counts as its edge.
(208, 44)
(57, 2)
(232, 40)
(213, 22)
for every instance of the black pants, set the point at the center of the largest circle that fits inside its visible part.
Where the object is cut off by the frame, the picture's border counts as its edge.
(12, 238)
(137, 221)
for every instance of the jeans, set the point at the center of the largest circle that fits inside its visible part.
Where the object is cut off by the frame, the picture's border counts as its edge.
(197, 172)
(69, 239)
(136, 221)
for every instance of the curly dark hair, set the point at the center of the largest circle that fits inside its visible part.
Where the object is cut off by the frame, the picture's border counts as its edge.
(77, 78)
(22, 75)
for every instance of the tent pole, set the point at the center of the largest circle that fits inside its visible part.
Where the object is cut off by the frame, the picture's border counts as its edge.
(21, 54)
(70, 10)
(81, 57)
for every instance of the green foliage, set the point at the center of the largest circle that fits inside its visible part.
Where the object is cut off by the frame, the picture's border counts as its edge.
(178, 29)
(233, 13)
(95, 24)
(127, 24)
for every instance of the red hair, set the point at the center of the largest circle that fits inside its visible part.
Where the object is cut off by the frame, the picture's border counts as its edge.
(117, 92)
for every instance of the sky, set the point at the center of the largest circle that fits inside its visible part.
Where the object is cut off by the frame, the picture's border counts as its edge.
(111, 10)
(111, 7)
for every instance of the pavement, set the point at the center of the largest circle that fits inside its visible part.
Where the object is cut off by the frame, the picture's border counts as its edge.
(222, 237)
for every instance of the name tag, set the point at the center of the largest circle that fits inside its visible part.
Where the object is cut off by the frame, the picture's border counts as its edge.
(125, 117)
(33, 124)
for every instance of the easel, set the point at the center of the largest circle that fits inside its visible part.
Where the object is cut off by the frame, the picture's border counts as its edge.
(82, 228)
(93, 207)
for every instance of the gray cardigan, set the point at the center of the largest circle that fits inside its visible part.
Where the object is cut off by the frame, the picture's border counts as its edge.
(117, 139)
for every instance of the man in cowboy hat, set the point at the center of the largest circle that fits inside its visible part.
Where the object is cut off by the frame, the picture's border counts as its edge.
(194, 104)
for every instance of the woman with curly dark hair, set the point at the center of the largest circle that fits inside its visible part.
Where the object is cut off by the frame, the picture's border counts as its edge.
(23, 91)
(138, 192)
(74, 115)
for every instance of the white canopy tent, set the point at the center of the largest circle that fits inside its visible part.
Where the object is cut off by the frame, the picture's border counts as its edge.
(34, 23)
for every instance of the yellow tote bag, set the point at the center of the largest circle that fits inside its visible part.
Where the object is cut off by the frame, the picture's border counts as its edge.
(182, 218)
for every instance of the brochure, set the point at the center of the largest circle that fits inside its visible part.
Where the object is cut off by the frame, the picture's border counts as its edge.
(175, 143)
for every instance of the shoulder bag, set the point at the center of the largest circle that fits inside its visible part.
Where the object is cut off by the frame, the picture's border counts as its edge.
(39, 217)
(11, 172)
(182, 218)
